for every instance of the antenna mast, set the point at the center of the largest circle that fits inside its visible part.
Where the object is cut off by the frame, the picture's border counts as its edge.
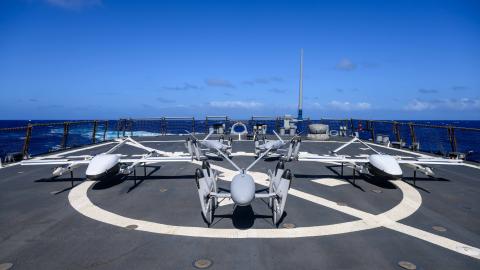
(300, 94)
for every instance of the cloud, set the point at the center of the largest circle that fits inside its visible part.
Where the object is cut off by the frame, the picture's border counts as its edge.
(164, 100)
(418, 105)
(219, 83)
(341, 90)
(263, 80)
(185, 86)
(427, 91)
(462, 103)
(235, 104)
(346, 65)
(277, 90)
(459, 88)
(348, 106)
(74, 4)
(147, 106)
(451, 104)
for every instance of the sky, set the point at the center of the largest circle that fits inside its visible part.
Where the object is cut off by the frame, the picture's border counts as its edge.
(106, 59)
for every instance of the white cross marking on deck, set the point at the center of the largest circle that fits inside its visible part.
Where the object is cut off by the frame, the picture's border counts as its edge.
(331, 182)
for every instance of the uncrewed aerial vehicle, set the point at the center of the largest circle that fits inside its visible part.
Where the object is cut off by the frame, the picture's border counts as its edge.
(242, 188)
(210, 147)
(379, 164)
(276, 147)
(105, 165)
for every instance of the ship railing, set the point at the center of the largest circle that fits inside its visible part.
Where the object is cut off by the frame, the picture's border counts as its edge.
(155, 126)
(272, 122)
(446, 140)
(39, 138)
(212, 123)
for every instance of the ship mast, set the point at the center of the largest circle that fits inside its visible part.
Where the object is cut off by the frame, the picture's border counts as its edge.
(300, 94)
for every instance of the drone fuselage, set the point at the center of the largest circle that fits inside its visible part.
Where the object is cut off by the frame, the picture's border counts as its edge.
(273, 145)
(213, 144)
(242, 189)
(103, 166)
(384, 166)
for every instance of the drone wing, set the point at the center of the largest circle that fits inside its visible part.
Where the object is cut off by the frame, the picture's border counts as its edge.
(208, 136)
(155, 159)
(53, 162)
(329, 159)
(431, 161)
(229, 160)
(259, 157)
(278, 136)
(355, 139)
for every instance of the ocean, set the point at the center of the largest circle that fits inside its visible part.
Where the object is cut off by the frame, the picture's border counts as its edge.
(49, 137)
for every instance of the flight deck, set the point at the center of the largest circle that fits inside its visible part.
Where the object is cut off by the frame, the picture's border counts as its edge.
(151, 218)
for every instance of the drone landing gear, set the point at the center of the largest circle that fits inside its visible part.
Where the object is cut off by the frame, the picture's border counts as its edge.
(135, 174)
(280, 182)
(206, 181)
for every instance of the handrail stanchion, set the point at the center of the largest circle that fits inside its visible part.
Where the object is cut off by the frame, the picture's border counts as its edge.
(372, 131)
(94, 132)
(26, 143)
(412, 133)
(396, 130)
(66, 129)
(193, 125)
(452, 138)
(105, 130)
(131, 127)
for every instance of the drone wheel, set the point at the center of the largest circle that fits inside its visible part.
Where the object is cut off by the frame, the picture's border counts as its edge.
(215, 203)
(198, 175)
(209, 216)
(280, 165)
(274, 211)
(287, 174)
(206, 166)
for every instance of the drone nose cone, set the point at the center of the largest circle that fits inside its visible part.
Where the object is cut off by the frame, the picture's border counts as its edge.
(242, 189)
(386, 165)
(101, 166)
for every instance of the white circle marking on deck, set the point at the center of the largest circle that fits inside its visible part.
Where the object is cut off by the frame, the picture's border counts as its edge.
(409, 204)
(411, 201)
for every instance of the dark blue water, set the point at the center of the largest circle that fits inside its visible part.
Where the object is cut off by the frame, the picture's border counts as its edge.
(49, 138)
